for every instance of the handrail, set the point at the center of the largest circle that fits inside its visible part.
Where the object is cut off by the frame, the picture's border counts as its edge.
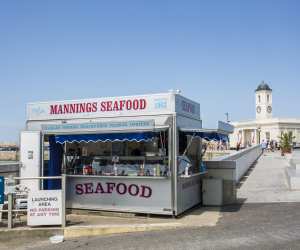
(37, 178)
(236, 155)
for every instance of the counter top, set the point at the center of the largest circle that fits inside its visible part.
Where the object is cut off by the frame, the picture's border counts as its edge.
(120, 177)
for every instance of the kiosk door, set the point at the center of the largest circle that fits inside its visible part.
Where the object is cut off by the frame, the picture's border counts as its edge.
(30, 156)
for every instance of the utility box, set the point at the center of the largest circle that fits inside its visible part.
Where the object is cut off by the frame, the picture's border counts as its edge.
(212, 190)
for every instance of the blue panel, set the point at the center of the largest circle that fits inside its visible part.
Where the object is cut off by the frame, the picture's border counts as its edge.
(142, 136)
(1, 190)
(54, 167)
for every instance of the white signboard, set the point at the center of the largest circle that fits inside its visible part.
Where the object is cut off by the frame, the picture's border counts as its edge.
(44, 208)
(100, 107)
(146, 195)
(113, 107)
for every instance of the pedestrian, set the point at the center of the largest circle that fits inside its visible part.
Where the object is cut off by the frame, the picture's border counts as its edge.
(272, 145)
(263, 145)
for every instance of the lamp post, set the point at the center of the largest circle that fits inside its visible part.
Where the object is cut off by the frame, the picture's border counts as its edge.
(227, 117)
(258, 130)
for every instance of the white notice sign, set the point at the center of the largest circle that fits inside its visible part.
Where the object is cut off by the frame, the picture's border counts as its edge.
(44, 208)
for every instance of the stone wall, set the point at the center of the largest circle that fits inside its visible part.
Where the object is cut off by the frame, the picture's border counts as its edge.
(9, 156)
(231, 169)
(9, 169)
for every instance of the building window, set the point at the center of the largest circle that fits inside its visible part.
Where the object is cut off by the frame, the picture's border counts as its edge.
(259, 98)
(268, 98)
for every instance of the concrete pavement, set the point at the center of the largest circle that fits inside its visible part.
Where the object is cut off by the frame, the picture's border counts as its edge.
(267, 181)
(87, 225)
(246, 226)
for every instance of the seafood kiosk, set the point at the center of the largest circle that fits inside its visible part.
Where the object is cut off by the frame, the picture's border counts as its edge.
(138, 154)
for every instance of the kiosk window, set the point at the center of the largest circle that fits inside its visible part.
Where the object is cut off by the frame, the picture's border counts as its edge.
(147, 157)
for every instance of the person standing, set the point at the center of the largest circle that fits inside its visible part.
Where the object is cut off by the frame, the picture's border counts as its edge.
(263, 145)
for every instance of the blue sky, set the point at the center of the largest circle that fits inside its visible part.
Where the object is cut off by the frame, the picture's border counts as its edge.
(216, 52)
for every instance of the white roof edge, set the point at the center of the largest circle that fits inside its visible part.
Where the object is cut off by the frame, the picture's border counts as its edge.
(206, 130)
(267, 121)
(108, 97)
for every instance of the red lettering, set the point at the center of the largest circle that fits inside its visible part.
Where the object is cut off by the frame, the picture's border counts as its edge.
(116, 108)
(77, 107)
(108, 106)
(118, 188)
(81, 108)
(79, 189)
(88, 188)
(103, 106)
(132, 191)
(142, 103)
(72, 108)
(66, 108)
(88, 107)
(110, 187)
(146, 192)
(53, 109)
(128, 104)
(94, 107)
(135, 104)
(122, 104)
(99, 189)
(60, 109)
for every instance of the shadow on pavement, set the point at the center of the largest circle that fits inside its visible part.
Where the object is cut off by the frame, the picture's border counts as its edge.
(247, 174)
(232, 208)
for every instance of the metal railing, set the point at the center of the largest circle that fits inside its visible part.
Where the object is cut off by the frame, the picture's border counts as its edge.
(10, 199)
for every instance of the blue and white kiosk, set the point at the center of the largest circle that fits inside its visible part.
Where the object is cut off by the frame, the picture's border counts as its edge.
(138, 154)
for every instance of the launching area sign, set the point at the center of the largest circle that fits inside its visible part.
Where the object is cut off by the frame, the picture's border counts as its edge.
(44, 208)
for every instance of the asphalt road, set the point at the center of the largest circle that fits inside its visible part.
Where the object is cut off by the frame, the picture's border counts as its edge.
(250, 226)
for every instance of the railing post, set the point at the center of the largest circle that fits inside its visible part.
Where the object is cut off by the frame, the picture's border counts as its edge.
(63, 191)
(10, 208)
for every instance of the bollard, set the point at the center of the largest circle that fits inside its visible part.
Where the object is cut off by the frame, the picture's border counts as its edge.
(10, 208)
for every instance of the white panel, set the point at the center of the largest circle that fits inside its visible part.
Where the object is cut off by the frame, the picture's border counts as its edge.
(30, 154)
(212, 192)
(44, 208)
(144, 195)
(101, 107)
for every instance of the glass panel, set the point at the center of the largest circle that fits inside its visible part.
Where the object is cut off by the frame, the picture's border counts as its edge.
(148, 158)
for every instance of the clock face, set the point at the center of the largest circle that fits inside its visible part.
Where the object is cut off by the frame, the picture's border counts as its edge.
(258, 109)
(269, 109)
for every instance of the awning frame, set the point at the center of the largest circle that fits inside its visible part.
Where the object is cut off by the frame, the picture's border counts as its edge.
(207, 134)
(105, 137)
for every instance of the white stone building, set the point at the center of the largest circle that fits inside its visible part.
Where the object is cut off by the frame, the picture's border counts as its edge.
(264, 127)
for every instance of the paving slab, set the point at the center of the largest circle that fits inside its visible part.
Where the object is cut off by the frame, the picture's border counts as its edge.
(86, 225)
(268, 182)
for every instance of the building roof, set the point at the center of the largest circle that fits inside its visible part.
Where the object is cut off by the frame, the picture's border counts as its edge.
(270, 121)
(263, 86)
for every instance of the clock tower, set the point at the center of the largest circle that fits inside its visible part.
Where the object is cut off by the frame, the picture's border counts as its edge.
(263, 97)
